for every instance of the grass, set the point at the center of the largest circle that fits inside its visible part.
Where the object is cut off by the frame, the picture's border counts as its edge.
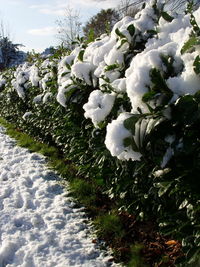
(110, 225)
(106, 220)
(136, 260)
(83, 191)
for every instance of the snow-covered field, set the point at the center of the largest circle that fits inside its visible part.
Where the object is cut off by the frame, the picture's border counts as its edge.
(39, 225)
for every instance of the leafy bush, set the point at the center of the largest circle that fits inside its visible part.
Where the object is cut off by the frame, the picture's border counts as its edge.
(133, 94)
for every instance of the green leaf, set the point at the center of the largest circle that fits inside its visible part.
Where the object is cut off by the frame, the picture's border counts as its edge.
(75, 42)
(185, 109)
(193, 255)
(68, 66)
(189, 8)
(183, 204)
(129, 141)
(121, 35)
(168, 62)
(129, 123)
(166, 16)
(80, 55)
(194, 24)
(159, 84)
(197, 96)
(163, 187)
(123, 41)
(112, 67)
(152, 32)
(148, 96)
(189, 45)
(196, 65)
(156, 10)
(65, 73)
(144, 5)
(131, 29)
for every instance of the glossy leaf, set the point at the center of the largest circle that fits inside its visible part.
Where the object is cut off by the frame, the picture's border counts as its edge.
(166, 16)
(131, 29)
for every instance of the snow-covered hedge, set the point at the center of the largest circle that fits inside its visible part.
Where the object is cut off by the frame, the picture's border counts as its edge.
(139, 87)
(139, 56)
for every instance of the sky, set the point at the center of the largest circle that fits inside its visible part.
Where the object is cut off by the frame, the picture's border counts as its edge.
(33, 22)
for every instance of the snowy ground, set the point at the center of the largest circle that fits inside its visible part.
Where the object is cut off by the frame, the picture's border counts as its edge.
(39, 225)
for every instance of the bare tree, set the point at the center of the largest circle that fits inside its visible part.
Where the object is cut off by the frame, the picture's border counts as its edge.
(178, 6)
(4, 30)
(129, 7)
(69, 28)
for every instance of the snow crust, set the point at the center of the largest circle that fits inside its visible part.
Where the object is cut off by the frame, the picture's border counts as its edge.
(39, 225)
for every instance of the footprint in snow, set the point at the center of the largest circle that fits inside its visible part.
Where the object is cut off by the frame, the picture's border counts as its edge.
(7, 252)
(19, 202)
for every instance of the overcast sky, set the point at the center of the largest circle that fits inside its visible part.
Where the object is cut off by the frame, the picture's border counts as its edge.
(32, 22)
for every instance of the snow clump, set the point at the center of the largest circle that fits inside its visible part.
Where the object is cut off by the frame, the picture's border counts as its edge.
(98, 106)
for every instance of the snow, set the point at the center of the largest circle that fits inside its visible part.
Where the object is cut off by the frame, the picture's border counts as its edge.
(39, 224)
(197, 16)
(47, 97)
(34, 75)
(37, 99)
(116, 133)
(145, 20)
(64, 88)
(168, 155)
(2, 81)
(188, 81)
(160, 173)
(27, 115)
(119, 85)
(21, 78)
(83, 71)
(122, 26)
(98, 106)
(47, 78)
(114, 56)
(170, 151)
(97, 53)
